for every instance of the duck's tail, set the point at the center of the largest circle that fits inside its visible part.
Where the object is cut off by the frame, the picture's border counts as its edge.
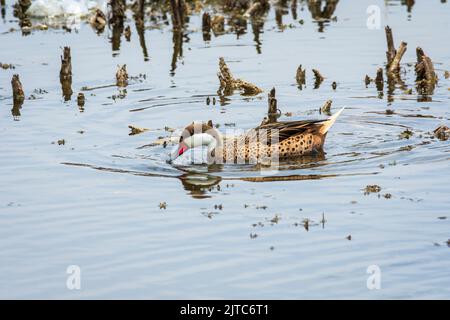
(327, 124)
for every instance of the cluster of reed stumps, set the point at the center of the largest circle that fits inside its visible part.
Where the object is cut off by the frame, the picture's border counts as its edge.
(237, 11)
(426, 77)
(65, 77)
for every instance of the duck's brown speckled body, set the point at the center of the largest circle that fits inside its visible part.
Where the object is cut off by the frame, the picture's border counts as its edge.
(280, 140)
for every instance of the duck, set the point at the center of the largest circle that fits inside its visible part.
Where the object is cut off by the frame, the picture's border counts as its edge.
(268, 142)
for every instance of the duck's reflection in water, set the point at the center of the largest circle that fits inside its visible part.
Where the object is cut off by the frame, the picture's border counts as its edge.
(198, 184)
(205, 180)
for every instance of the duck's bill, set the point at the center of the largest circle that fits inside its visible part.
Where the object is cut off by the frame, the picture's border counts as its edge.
(178, 151)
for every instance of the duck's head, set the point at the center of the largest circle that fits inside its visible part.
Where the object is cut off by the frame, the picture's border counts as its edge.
(195, 135)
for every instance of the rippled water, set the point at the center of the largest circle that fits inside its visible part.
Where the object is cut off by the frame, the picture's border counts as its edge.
(227, 232)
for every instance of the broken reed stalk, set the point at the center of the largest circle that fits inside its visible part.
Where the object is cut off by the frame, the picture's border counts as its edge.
(300, 76)
(122, 76)
(18, 93)
(206, 22)
(65, 74)
(368, 80)
(294, 9)
(390, 54)
(395, 64)
(231, 5)
(139, 17)
(393, 56)
(228, 83)
(127, 33)
(24, 4)
(379, 80)
(257, 7)
(177, 40)
(319, 78)
(117, 14)
(66, 64)
(218, 24)
(272, 112)
(272, 109)
(254, 8)
(98, 20)
(18, 96)
(178, 8)
(225, 77)
(139, 12)
(426, 76)
(206, 26)
(20, 8)
(81, 100)
(326, 108)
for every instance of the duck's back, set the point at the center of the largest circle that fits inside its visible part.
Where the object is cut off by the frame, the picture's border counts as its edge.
(279, 140)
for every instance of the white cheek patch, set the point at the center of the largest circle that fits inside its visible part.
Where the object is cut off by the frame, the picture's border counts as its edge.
(197, 140)
(189, 142)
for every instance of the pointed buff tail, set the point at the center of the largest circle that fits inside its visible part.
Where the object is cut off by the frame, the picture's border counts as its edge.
(327, 124)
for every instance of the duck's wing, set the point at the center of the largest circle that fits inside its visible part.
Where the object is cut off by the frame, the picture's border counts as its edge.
(287, 129)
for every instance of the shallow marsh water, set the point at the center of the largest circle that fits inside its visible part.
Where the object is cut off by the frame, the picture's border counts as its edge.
(95, 200)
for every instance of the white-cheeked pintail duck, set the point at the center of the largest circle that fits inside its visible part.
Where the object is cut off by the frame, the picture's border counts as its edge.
(281, 140)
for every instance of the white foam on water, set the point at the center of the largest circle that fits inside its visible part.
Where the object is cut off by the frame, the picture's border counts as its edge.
(56, 8)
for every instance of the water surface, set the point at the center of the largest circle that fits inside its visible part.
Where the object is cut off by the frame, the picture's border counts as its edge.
(227, 232)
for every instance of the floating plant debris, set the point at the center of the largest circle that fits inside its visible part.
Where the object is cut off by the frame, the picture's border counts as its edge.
(136, 130)
(406, 134)
(6, 66)
(163, 205)
(275, 219)
(442, 133)
(372, 189)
